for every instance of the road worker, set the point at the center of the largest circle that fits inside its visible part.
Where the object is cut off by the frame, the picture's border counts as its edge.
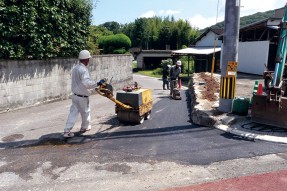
(81, 84)
(174, 74)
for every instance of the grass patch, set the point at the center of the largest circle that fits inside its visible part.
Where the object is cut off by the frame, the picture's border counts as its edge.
(148, 73)
(152, 73)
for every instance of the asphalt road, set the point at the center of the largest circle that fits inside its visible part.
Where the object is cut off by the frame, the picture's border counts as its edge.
(163, 152)
(170, 135)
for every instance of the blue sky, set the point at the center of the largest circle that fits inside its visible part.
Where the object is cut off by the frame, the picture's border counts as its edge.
(200, 13)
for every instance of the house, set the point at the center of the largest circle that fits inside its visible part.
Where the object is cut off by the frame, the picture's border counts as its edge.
(151, 59)
(258, 44)
(256, 50)
(206, 46)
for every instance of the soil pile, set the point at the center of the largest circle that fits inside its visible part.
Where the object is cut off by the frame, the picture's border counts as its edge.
(210, 89)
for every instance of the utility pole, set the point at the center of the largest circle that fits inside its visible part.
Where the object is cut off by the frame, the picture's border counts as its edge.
(229, 55)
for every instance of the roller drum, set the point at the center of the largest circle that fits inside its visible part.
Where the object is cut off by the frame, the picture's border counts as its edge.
(130, 117)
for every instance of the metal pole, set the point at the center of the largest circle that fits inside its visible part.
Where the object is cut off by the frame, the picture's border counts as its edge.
(230, 53)
(188, 66)
(213, 57)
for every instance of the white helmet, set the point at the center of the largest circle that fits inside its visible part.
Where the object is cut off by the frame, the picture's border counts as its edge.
(84, 54)
(178, 63)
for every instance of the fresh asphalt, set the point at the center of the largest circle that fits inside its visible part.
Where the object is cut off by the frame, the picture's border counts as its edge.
(168, 136)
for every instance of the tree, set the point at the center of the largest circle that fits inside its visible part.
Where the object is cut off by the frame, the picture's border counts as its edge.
(43, 29)
(157, 32)
(128, 29)
(95, 33)
(184, 33)
(139, 33)
(164, 37)
(114, 44)
(113, 26)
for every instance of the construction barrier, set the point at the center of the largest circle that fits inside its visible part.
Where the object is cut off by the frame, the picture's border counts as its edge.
(260, 89)
(179, 83)
(227, 87)
(255, 90)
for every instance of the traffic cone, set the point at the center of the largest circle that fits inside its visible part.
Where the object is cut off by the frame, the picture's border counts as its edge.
(260, 89)
(255, 88)
(179, 83)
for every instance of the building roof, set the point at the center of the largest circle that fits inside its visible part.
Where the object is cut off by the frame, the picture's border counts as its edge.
(278, 15)
(196, 50)
(217, 31)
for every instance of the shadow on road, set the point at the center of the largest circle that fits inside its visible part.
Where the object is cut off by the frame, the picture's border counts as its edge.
(104, 134)
(58, 139)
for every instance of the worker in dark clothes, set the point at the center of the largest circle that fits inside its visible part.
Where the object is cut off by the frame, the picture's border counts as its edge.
(165, 73)
(174, 74)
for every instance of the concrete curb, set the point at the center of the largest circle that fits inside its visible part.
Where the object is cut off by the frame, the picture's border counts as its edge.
(250, 135)
(205, 113)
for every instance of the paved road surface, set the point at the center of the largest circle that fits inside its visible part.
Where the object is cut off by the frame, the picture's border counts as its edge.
(164, 152)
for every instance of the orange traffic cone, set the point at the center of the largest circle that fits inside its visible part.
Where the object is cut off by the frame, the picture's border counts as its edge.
(179, 83)
(260, 89)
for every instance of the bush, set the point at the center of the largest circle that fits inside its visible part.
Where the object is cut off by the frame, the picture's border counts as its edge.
(43, 29)
(185, 66)
(166, 62)
(119, 51)
(157, 71)
(113, 42)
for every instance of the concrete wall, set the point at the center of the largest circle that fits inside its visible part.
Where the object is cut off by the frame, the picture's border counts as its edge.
(31, 82)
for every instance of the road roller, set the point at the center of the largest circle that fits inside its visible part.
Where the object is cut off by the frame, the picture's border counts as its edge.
(133, 103)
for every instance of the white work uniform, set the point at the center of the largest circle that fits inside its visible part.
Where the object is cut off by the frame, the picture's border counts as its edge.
(81, 83)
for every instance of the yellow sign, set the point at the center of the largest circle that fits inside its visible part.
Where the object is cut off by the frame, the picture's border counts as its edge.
(231, 69)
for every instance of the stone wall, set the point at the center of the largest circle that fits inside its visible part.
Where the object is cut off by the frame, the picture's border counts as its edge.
(31, 82)
(203, 111)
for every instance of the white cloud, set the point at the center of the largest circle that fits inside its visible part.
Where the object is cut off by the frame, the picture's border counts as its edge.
(248, 7)
(171, 12)
(148, 14)
(151, 13)
(201, 22)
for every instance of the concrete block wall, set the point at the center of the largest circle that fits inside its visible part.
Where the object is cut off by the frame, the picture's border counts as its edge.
(31, 82)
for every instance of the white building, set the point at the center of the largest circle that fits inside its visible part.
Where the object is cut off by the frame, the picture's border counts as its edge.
(257, 46)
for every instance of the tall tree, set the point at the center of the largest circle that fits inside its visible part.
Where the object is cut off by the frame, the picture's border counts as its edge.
(164, 37)
(139, 33)
(43, 29)
(113, 26)
(158, 33)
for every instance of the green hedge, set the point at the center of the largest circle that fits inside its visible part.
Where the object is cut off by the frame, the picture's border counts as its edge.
(39, 29)
(113, 43)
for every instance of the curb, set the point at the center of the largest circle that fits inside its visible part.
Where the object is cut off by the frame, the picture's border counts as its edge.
(249, 135)
(204, 113)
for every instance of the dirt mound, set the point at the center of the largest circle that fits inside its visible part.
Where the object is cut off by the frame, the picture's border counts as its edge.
(210, 89)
